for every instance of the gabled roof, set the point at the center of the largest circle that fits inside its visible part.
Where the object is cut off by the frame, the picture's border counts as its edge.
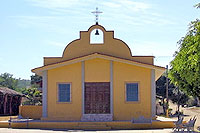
(158, 70)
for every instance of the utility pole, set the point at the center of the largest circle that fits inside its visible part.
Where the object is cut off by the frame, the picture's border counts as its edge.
(167, 100)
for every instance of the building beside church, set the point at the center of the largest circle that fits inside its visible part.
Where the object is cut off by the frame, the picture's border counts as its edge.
(98, 81)
(10, 101)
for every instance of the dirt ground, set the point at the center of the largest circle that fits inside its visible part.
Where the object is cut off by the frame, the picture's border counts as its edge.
(191, 112)
(188, 112)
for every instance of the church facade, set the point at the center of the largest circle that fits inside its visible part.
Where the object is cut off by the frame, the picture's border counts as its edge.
(98, 81)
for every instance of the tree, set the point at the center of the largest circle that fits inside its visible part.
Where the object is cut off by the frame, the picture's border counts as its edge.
(7, 80)
(185, 67)
(161, 87)
(197, 5)
(36, 81)
(178, 98)
(33, 95)
(23, 83)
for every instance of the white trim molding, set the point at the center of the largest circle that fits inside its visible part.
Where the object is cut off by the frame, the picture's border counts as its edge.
(153, 94)
(44, 94)
(159, 70)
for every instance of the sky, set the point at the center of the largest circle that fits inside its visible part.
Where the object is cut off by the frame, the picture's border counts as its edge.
(33, 29)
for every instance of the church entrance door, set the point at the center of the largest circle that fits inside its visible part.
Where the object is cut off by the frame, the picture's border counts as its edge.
(97, 98)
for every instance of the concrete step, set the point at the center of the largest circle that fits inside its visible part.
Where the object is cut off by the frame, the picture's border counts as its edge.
(93, 126)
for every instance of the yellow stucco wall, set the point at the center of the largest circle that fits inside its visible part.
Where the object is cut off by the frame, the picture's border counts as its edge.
(123, 73)
(144, 59)
(65, 111)
(110, 46)
(51, 60)
(30, 111)
(97, 70)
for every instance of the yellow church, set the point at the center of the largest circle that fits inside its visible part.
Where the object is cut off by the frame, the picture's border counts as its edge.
(97, 79)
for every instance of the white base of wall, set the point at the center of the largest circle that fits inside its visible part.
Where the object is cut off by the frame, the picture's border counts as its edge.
(97, 117)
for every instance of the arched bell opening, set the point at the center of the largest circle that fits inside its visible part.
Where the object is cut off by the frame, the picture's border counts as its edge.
(96, 36)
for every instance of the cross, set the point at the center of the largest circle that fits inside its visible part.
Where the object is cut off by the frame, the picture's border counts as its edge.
(96, 13)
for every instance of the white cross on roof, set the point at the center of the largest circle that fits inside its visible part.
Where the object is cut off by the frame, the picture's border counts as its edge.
(96, 13)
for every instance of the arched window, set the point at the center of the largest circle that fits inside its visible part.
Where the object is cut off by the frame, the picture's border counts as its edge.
(96, 37)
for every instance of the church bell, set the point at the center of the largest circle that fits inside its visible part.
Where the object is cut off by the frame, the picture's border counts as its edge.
(97, 32)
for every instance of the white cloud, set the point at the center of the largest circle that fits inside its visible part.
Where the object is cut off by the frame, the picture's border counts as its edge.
(134, 6)
(55, 7)
(151, 18)
(45, 23)
(141, 20)
(162, 52)
(134, 13)
(111, 4)
(130, 5)
(53, 4)
(126, 11)
(54, 43)
(153, 48)
(38, 18)
(35, 20)
(62, 6)
(163, 60)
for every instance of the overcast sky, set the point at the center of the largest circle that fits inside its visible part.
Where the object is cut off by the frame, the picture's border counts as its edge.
(33, 29)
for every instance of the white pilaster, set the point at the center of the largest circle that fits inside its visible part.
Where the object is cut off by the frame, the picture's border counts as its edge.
(83, 85)
(153, 94)
(111, 87)
(44, 94)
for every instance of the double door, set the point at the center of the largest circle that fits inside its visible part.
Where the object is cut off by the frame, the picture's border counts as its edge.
(97, 98)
